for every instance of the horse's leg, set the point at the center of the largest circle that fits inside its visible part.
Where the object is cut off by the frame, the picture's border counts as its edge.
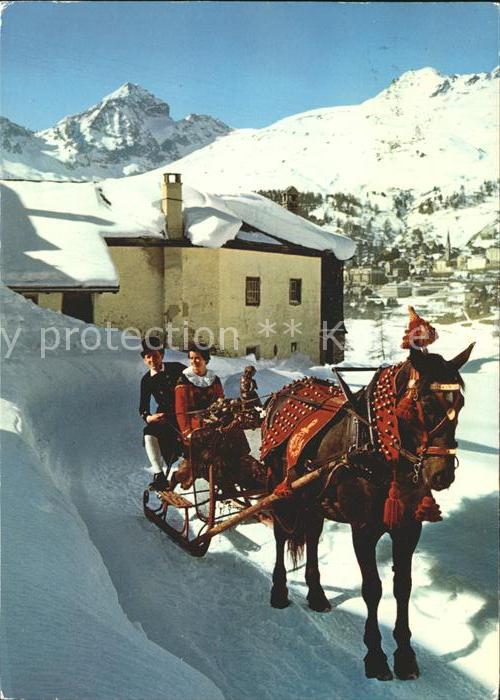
(279, 591)
(316, 597)
(404, 541)
(365, 543)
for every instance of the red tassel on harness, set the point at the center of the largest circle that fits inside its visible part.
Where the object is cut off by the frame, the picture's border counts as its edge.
(429, 510)
(393, 507)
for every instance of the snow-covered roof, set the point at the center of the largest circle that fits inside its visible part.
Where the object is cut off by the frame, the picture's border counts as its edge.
(52, 232)
(257, 237)
(270, 218)
(211, 220)
(51, 236)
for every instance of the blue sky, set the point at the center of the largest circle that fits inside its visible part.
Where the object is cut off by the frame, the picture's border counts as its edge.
(247, 63)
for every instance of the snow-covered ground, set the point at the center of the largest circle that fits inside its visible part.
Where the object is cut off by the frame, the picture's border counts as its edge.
(97, 603)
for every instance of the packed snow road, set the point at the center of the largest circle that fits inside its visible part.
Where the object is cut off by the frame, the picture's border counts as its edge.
(98, 603)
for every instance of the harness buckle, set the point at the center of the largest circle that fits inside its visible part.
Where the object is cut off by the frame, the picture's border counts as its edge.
(416, 470)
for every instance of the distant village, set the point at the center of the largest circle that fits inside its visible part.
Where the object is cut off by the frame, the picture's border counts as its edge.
(455, 284)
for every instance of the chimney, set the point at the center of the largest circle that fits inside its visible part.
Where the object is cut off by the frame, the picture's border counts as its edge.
(171, 205)
(290, 199)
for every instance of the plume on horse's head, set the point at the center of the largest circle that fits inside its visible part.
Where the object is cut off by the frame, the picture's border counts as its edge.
(419, 333)
(432, 367)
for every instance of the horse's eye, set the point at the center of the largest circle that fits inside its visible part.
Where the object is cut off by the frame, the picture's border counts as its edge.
(449, 396)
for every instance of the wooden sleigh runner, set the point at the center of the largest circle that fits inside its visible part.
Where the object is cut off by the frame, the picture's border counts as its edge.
(207, 511)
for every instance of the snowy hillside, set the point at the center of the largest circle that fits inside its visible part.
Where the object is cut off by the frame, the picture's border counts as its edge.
(422, 155)
(426, 129)
(97, 603)
(129, 131)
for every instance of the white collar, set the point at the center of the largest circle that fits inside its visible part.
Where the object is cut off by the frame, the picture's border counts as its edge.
(152, 372)
(207, 379)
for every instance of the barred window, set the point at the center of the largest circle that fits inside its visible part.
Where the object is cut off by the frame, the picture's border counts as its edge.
(295, 291)
(252, 291)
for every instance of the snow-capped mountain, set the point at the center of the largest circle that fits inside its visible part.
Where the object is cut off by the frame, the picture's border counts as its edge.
(429, 141)
(426, 129)
(129, 131)
(422, 154)
(26, 155)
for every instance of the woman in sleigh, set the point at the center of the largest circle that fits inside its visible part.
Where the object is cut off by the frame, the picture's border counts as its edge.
(206, 442)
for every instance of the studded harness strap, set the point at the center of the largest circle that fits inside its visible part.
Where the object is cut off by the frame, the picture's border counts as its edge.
(382, 413)
(383, 407)
(309, 406)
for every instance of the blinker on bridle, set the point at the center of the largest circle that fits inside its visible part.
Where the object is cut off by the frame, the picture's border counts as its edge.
(451, 413)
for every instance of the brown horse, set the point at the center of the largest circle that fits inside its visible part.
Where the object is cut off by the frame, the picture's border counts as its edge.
(392, 448)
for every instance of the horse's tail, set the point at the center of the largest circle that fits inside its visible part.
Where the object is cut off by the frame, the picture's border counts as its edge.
(296, 543)
(288, 515)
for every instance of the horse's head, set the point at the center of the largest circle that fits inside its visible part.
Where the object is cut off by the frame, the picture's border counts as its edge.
(430, 399)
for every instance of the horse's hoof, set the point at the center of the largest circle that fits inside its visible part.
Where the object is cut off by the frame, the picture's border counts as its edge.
(279, 601)
(406, 667)
(410, 675)
(319, 605)
(376, 666)
(280, 604)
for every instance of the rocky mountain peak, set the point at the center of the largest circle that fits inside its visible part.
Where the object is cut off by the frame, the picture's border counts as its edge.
(423, 81)
(129, 131)
(135, 96)
(129, 90)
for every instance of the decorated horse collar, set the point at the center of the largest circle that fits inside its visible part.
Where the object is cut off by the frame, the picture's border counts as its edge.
(382, 403)
(384, 410)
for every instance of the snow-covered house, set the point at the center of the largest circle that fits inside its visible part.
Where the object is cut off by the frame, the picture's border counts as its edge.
(237, 271)
(52, 248)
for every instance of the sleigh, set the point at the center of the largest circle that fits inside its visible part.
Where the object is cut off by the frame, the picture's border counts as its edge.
(299, 416)
(214, 503)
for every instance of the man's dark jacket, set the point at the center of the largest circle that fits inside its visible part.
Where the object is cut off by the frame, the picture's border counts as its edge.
(161, 387)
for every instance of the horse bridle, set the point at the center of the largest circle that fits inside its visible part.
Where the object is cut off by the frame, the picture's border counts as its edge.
(451, 414)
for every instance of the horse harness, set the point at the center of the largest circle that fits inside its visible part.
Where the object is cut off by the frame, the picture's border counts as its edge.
(384, 408)
(369, 440)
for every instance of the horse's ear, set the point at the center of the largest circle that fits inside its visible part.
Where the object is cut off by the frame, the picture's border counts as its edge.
(461, 359)
(417, 359)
